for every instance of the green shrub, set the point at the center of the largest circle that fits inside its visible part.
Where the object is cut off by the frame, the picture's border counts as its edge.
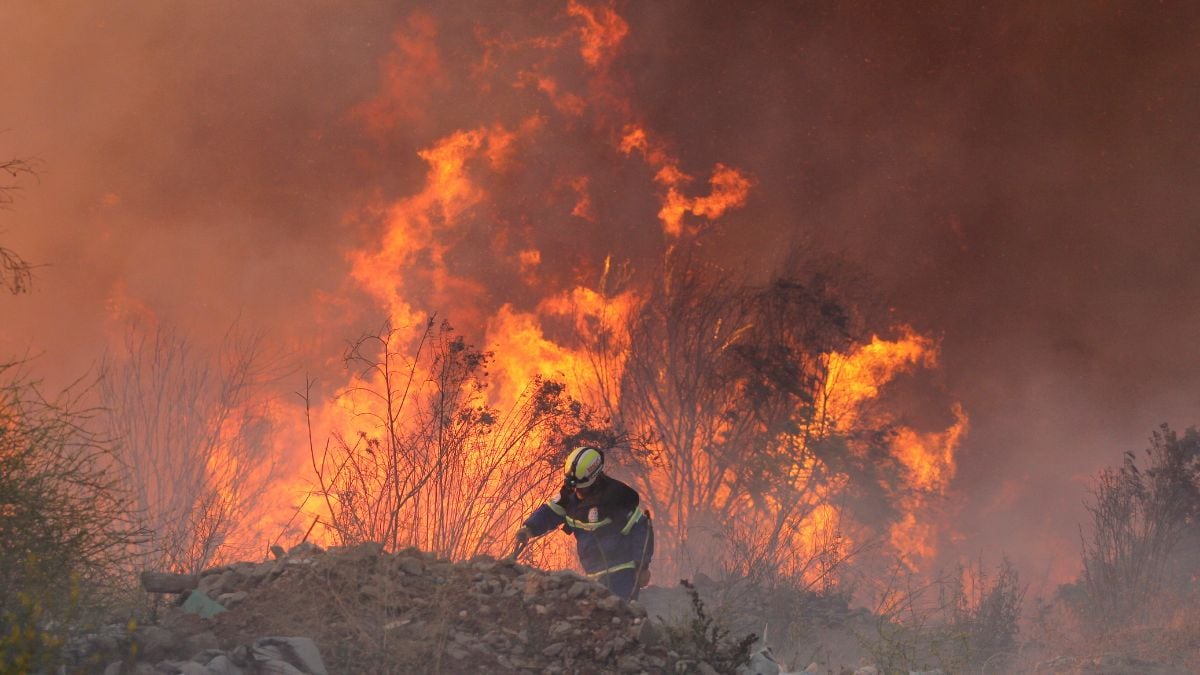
(63, 520)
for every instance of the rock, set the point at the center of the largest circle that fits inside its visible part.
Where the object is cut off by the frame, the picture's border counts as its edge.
(230, 600)
(214, 585)
(154, 642)
(609, 602)
(182, 668)
(166, 582)
(762, 662)
(304, 548)
(867, 670)
(200, 604)
(629, 664)
(222, 665)
(580, 589)
(411, 566)
(299, 653)
(553, 649)
(277, 551)
(455, 652)
(648, 634)
(704, 669)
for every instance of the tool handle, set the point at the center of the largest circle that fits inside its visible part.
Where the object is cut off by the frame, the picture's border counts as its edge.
(520, 546)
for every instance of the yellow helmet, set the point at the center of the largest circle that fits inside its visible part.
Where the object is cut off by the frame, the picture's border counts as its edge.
(583, 466)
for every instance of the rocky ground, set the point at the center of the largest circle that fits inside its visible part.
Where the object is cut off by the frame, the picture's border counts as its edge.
(358, 610)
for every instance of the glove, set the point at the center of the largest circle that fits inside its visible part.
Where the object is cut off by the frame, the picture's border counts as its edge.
(523, 536)
(643, 577)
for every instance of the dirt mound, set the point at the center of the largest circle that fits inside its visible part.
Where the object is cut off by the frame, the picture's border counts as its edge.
(372, 612)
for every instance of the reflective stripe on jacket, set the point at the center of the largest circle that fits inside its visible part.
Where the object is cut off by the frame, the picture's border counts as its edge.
(611, 530)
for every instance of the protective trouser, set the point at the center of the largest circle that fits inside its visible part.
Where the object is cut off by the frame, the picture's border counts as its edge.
(623, 583)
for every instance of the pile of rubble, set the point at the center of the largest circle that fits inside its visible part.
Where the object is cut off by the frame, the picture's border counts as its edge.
(361, 610)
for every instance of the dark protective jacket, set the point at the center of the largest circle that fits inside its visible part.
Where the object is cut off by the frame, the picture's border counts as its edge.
(612, 532)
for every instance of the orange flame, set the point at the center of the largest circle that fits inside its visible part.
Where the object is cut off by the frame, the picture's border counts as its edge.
(602, 31)
(579, 332)
(728, 187)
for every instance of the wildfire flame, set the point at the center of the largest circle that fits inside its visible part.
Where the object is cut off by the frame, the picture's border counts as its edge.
(577, 331)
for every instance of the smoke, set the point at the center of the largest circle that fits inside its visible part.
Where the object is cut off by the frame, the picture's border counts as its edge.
(1017, 180)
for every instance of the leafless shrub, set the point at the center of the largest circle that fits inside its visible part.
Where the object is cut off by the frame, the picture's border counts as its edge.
(1144, 531)
(194, 439)
(680, 388)
(16, 273)
(964, 621)
(429, 463)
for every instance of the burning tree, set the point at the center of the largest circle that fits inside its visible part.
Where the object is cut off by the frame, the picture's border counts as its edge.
(754, 398)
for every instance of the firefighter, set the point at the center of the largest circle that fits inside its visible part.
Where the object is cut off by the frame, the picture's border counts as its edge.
(613, 534)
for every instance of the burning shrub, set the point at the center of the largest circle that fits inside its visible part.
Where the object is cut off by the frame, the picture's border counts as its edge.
(754, 401)
(194, 440)
(429, 463)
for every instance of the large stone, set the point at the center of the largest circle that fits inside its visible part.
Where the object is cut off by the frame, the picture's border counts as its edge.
(166, 582)
(649, 634)
(223, 665)
(201, 605)
(297, 652)
(214, 585)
